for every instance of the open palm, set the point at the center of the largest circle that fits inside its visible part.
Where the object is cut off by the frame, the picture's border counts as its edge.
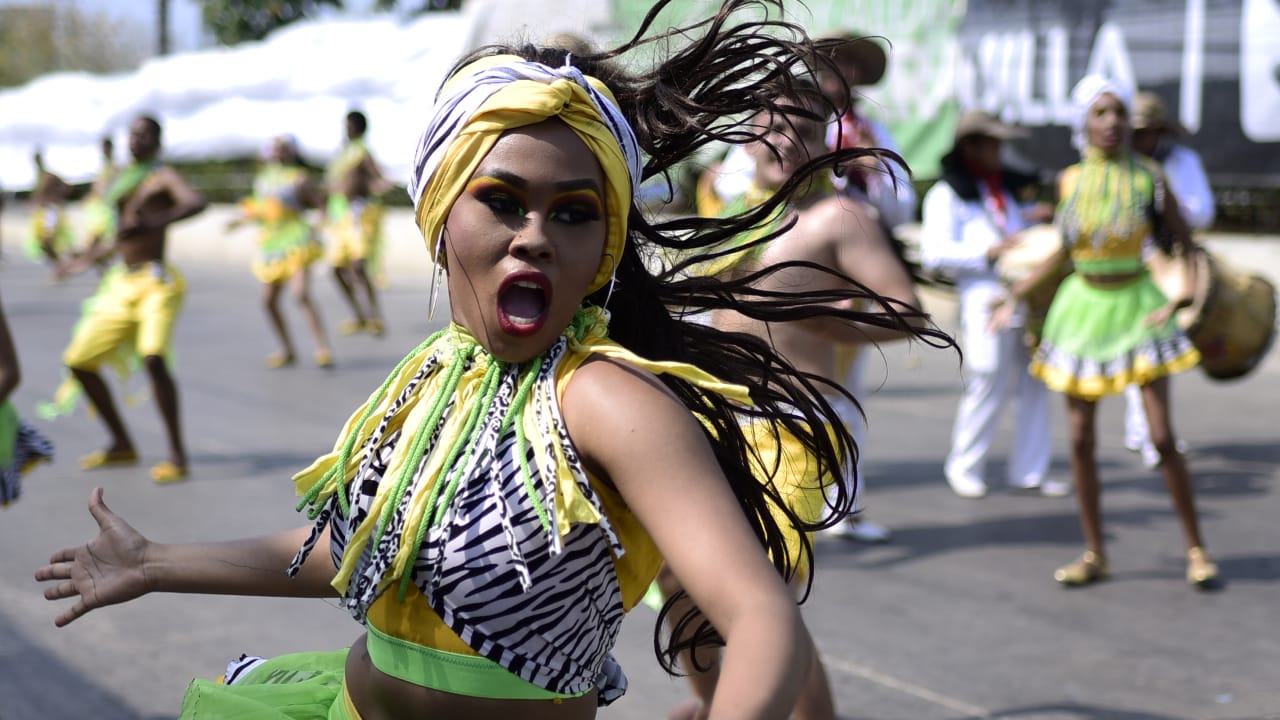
(107, 570)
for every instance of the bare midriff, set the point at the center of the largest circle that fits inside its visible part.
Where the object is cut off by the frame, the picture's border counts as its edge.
(379, 696)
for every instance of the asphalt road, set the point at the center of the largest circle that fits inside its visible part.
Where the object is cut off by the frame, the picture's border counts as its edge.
(957, 617)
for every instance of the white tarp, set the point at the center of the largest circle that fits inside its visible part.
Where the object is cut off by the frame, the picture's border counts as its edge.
(228, 102)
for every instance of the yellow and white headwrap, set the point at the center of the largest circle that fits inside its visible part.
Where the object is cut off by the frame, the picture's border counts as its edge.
(502, 92)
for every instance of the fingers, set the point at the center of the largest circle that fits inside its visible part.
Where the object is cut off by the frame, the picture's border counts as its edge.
(64, 589)
(72, 613)
(63, 555)
(98, 509)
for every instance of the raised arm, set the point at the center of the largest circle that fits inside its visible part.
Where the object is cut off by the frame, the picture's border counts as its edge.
(633, 431)
(186, 201)
(120, 565)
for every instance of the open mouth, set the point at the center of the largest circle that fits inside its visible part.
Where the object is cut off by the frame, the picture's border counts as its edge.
(523, 301)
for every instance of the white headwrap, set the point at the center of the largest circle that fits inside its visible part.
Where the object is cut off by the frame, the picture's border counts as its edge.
(1085, 94)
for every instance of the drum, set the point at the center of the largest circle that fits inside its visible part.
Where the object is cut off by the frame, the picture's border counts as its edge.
(1232, 319)
(1037, 244)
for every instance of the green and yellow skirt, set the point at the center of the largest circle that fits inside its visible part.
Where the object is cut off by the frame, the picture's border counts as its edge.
(298, 686)
(1096, 340)
(287, 247)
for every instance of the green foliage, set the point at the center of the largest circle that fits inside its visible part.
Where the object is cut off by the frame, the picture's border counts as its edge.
(57, 37)
(235, 21)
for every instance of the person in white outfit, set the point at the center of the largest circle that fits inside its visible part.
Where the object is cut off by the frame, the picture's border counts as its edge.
(1156, 136)
(971, 217)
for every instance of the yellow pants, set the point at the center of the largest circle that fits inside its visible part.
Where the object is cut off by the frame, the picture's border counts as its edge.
(133, 306)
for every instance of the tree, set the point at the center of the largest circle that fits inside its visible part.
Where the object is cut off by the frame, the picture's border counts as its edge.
(57, 37)
(234, 21)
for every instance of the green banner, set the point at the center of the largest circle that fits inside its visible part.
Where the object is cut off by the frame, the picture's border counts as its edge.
(916, 98)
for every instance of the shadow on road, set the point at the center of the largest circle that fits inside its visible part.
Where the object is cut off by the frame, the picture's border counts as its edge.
(1071, 711)
(918, 542)
(36, 685)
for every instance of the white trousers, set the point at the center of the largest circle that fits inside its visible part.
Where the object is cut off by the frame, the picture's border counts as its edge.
(850, 367)
(1137, 431)
(995, 374)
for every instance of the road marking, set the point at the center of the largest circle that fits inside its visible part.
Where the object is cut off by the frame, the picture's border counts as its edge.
(903, 686)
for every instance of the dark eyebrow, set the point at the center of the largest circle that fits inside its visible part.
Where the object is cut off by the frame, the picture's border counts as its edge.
(519, 182)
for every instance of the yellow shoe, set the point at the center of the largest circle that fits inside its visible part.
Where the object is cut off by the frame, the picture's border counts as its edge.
(350, 327)
(108, 458)
(1089, 568)
(279, 360)
(167, 472)
(324, 360)
(1201, 571)
(375, 328)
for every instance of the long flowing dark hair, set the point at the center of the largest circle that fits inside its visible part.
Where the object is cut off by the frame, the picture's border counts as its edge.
(728, 69)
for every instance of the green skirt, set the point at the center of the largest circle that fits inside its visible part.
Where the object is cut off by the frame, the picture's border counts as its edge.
(1096, 341)
(298, 686)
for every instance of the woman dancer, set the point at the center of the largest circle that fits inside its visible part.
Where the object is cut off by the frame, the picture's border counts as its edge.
(509, 492)
(288, 247)
(1109, 325)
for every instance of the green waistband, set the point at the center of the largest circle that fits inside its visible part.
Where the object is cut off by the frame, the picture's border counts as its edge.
(441, 670)
(1111, 266)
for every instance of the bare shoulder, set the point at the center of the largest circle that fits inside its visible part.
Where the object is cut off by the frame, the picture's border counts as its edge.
(607, 401)
(840, 219)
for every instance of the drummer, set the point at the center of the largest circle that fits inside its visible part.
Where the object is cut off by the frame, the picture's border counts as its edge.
(1159, 137)
(972, 216)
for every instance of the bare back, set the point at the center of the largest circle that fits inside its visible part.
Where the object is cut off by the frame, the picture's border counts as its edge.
(835, 232)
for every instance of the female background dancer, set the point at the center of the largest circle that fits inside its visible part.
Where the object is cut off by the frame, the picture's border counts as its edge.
(282, 192)
(1109, 325)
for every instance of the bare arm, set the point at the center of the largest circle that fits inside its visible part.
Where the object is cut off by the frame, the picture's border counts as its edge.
(378, 183)
(10, 373)
(186, 201)
(863, 252)
(630, 427)
(120, 565)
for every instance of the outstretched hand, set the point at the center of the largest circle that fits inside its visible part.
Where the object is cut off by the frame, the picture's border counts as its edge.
(107, 570)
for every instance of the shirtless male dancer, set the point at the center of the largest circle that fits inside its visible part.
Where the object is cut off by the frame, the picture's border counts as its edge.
(355, 222)
(833, 231)
(139, 299)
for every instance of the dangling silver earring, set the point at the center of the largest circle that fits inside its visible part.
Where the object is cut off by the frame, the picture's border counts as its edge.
(613, 280)
(436, 272)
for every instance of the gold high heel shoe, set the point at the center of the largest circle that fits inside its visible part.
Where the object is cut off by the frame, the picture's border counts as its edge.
(1084, 570)
(1201, 571)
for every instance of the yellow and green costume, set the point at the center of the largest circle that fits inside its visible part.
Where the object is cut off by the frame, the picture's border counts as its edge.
(49, 228)
(22, 447)
(355, 224)
(287, 244)
(1096, 341)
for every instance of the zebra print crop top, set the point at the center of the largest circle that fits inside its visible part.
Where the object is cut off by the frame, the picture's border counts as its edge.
(530, 562)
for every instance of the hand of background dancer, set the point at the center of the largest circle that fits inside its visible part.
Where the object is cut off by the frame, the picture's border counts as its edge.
(73, 265)
(106, 571)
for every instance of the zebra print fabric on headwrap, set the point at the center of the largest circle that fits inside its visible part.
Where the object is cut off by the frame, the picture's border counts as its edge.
(502, 92)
